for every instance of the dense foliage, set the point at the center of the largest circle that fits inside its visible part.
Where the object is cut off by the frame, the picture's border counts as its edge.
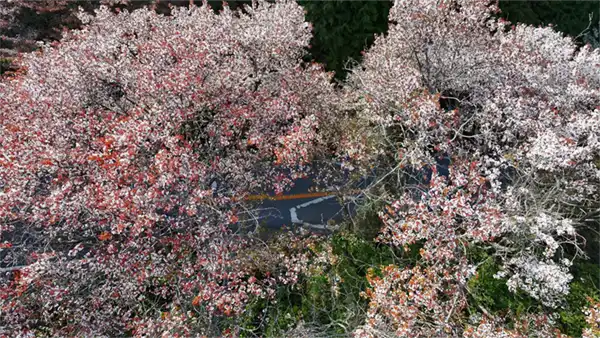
(24, 22)
(130, 146)
(516, 111)
(343, 29)
(569, 17)
(112, 140)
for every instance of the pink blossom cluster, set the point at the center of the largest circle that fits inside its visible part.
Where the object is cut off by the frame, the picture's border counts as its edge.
(111, 141)
(405, 301)
(114, 137)
(592, 319)
(446, 219)
(530, 326)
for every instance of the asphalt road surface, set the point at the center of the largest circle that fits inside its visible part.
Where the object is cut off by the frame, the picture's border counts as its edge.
(323, 210)
(299, 206)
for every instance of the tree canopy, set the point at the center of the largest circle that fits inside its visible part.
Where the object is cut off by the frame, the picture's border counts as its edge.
(477, 140)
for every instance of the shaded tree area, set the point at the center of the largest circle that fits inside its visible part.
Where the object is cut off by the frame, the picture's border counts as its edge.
(342, 29)
(569, 17)
(23, 23)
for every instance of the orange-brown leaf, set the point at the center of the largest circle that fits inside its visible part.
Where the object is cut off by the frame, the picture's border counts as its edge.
(105, 236)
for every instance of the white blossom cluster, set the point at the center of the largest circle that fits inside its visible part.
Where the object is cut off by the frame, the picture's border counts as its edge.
(520, 104)
(546, 281)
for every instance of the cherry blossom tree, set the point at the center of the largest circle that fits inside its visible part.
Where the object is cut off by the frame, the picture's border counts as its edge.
(131, 144)
(516, 110)
(25, 22)
(112, 140)
(592, 319)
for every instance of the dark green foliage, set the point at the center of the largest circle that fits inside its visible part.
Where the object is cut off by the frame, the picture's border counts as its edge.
(569, 17)
(367, 223)
(586, 283)
(272, 318)
(314, 300)
(590, 230)
(356, 256)
(234, 4)
(342, 29)
(5, 65)
(491, 294)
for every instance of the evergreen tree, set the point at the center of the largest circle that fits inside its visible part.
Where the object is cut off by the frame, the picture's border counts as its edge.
(569, 17)
(342, 29)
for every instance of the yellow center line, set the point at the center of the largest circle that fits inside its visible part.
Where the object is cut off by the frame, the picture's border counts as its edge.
(290, 197)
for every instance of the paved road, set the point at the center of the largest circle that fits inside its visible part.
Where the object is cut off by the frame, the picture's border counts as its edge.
(301, 207)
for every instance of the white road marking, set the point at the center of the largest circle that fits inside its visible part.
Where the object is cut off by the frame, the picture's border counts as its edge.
(315, 201)
(320, 226)
(294, 215)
